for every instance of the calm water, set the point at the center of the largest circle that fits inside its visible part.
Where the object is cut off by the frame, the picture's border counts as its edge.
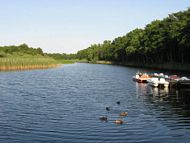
(64, 105)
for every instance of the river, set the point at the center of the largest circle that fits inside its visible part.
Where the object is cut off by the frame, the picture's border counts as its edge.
(64, 105)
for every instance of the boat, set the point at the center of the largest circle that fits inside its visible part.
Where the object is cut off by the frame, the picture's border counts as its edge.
(161, 79)
(155, 82)
(163, 82)
(174, 78)
(184, 78)
(141, 77)
(183, 82)
(160, 75)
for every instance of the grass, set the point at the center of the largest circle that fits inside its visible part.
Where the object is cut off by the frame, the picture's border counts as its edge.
(70, 61)
(26, 62)
(22, 61)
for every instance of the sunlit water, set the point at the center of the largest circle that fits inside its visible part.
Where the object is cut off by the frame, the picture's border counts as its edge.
(64, 105)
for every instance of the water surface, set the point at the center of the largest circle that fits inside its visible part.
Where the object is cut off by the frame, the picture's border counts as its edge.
(64, 105)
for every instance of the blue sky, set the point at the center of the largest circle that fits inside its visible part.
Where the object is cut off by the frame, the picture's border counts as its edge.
(67, 26)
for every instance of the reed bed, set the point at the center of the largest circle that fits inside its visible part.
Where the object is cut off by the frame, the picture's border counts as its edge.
(25, 63)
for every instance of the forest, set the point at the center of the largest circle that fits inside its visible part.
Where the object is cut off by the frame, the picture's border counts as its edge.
(161, 41)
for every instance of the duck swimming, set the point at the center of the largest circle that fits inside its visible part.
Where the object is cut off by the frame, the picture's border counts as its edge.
(123, 114)
(118, 102)
(108, 108)
(103, 118)
(119, 121)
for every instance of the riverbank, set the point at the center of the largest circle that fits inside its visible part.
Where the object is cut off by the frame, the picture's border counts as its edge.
(29, 67)
(32, 62)
(26, 63)
(166, 66)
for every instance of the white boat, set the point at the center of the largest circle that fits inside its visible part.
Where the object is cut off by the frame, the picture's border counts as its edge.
(158, 81)
(153, 81)
(184, 78)
(136, 77)
(162, 81)
(141, 77)
(160, 75)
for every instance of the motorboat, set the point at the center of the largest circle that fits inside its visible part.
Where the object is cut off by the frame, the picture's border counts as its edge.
(155, 82)
(141, 77)
(174, 77)
(183, 82)
(160, 75)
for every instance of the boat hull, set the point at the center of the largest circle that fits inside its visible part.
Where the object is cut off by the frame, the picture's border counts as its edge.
(183, 84)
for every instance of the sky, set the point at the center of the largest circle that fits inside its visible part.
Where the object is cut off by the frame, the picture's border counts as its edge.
(67, 26)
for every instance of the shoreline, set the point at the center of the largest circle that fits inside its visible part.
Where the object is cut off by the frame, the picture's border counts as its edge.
(27, 67)
(166, 66)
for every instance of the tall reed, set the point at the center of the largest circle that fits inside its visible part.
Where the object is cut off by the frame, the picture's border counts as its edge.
(24, 63)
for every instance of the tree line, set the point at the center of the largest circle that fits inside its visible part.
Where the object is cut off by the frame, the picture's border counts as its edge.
(19, 50)
(63, 56)
(161, 41)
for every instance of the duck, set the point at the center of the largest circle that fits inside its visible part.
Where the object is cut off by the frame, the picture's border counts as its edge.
(119, 121)
(103, 118)
(123, 114)
(108, 108)
(118, 102)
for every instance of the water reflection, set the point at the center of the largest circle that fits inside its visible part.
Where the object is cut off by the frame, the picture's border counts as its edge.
(141, 89)
(168, 104)
(181, 96)
(64, 104)
(159, 91)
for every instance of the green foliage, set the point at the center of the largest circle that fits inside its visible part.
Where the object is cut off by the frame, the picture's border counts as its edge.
(20, 50)
(24, 57)
(161, 41)
(63, 56)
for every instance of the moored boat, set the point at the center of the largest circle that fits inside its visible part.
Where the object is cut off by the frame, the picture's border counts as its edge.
(160, 75)
(161, 79)
(141, 77)
(153, 81)
(163, 82)
(174, 78)
(183, 82)
(158, 82)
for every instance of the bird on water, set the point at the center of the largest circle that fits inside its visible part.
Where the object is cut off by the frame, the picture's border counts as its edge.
(108, 108)
(103, 118)
(123, 114)
(118, 102)
(119, 121)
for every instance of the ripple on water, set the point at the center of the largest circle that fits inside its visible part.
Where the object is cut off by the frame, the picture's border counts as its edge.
(64, 105)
